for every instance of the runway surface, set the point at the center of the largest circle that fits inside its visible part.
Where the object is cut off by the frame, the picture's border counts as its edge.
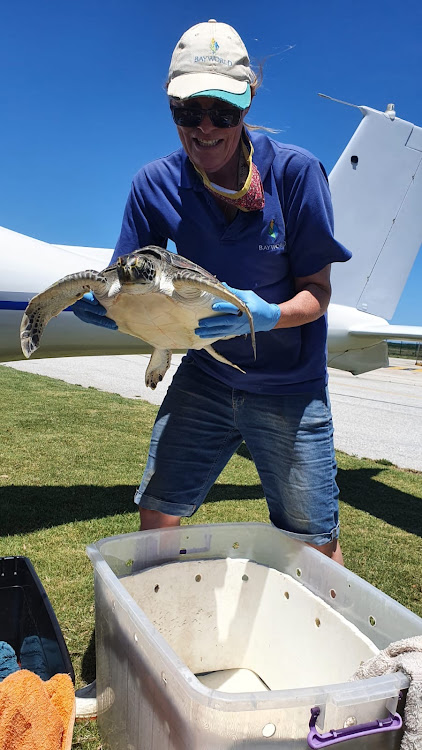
(376, 415)
(379, 414)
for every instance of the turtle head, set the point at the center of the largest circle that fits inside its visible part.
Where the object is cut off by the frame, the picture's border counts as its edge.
(136, 269)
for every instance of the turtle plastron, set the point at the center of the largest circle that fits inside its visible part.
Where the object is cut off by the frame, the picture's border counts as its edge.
(152, 294)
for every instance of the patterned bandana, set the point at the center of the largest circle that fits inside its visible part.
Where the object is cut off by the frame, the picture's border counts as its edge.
(250, 197)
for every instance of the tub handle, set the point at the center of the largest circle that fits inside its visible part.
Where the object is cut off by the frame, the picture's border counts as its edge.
(317, 740)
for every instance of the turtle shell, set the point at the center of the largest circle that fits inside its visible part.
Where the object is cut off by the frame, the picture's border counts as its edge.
(173, 259)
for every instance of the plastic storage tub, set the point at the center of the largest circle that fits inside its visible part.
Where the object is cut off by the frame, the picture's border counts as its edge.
(28, 619)
(238, 632)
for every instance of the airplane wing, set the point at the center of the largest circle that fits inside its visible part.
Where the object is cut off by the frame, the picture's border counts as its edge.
(389, 332)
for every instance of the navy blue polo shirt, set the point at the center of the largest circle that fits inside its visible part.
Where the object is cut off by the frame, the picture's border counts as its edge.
(292, 236)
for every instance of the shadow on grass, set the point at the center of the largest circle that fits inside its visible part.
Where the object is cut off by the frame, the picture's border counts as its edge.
(88, 669)
(27, 509)
(358, 489)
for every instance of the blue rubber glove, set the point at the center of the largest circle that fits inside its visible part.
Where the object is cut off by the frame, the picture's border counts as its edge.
(89, 310)
(265, 316)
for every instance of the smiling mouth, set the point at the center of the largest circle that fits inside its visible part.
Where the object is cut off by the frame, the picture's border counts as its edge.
(206, 144)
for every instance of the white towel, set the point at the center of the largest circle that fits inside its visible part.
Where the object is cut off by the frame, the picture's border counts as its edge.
(402, 656)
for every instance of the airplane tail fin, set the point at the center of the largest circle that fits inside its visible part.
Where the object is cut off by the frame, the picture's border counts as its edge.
(376, 188)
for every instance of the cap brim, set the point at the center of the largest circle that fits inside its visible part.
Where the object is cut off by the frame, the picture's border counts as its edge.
(238, 100)
(192, 84)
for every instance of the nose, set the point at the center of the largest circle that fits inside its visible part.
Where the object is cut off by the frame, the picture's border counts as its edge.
(206, 125)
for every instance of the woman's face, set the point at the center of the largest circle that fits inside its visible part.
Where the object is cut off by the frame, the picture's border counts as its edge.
(209, 148)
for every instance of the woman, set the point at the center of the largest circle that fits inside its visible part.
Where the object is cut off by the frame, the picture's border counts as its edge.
(258, 215)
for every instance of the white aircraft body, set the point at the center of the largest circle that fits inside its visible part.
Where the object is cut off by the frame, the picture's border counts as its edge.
(376, 187)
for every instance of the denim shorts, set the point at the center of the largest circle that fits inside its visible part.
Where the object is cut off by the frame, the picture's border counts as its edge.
(202, 422)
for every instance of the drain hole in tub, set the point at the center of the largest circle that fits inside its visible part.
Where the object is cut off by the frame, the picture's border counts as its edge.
(372, 620)
(268, 730)
(156, 588)
(333, 593)
(197, 578)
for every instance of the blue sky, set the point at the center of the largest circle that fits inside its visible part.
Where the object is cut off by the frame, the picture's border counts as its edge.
(83, 102)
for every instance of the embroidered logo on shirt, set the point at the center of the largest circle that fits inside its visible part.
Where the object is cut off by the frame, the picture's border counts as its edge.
(276, 246)
(274, 233)
(273, 229)
(214, 46)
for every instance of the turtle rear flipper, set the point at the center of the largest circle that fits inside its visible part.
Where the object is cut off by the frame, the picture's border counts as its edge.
(219, 357)
(157, 367)
(52, 301)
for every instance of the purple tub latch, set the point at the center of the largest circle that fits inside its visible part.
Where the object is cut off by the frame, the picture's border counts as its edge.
(317, 740)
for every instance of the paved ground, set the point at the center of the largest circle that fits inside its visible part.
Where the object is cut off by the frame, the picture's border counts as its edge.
(376, 415)
(379, 414)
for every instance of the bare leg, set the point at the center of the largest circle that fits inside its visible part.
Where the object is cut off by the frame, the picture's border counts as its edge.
(331, 549)
(153, 519)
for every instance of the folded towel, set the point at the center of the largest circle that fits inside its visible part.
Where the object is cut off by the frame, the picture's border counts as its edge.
(62, 696)
(36, 715)
(32, 657)
(8, 660)
(402, 656)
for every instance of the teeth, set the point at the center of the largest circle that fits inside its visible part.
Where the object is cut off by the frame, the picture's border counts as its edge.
(207, 143)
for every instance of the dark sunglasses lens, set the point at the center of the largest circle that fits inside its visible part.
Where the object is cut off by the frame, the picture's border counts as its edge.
(186, 118)
(220, 118)
(225, 118)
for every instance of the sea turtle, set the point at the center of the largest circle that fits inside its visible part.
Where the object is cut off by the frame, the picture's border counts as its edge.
(152, 294)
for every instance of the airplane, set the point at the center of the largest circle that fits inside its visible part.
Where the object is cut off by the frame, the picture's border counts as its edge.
(376, 188)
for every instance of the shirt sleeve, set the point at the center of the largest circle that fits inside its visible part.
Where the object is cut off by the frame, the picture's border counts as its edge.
(138, 226)
(309, 221)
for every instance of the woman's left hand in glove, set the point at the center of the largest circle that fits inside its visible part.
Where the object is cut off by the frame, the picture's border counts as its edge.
(265, 316)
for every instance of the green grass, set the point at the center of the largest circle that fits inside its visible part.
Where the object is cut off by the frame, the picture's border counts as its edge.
(71, 458)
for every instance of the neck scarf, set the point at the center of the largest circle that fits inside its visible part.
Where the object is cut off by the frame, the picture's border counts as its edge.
(250, 196)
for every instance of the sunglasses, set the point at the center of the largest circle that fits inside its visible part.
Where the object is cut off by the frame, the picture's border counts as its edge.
(228, 117)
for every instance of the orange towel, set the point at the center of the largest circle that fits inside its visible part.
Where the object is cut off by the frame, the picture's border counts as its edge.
(36, 715)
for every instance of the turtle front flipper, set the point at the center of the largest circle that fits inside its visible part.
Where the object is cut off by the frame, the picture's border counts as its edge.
(184, 280)
(52, 301)
(157, 367)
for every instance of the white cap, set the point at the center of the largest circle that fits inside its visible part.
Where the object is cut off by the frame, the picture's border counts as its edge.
(210, 59)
